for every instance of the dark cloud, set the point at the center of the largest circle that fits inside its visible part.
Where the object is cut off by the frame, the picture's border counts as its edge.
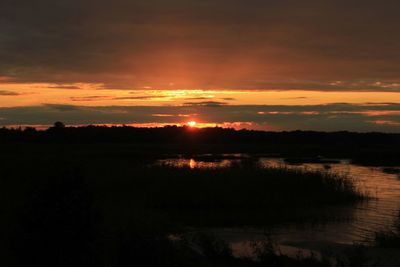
(208, 98)
(286, 44)
(142, 97)
(63, 108)
(8, 93)
(298, 97)
(197, 98)
(64, 86)
(332, 117)
(206, 103)
(89, 98)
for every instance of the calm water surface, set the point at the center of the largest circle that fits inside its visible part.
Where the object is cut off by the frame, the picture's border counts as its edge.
(367, 218)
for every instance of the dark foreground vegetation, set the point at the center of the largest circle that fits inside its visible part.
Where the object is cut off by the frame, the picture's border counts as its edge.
(92, 196)
(378, 149)
(60, 209)
(232, 196)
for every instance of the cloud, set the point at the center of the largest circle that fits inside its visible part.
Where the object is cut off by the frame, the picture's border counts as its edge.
(288, 44)
(389, 123)
(162, 115)
(89, 98)
(63, 108)
(13, 93)
(197, 98)
(8, 93)
(332, 117)
(143, 97)
(64, 86)
(206, 103)
(299, 97)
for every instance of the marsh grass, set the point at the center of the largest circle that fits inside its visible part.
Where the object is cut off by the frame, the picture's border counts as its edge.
(94, 212)
(238, 195)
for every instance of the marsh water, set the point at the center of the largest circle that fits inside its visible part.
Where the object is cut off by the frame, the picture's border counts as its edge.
(362, 220)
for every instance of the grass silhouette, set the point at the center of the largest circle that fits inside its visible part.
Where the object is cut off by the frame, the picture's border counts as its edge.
(107, 211)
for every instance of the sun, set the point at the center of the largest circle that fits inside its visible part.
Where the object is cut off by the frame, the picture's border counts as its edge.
(192, 123)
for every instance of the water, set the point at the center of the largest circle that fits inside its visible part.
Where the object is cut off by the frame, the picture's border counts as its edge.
(367, 218)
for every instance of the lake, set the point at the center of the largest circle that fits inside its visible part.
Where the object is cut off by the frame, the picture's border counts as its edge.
(363, 221)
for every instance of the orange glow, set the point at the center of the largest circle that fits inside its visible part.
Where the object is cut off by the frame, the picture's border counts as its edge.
(386, 122)
(192, 164)
(192, 123)
(94, 94)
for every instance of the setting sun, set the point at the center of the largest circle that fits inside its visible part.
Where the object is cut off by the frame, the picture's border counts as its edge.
(192, 123)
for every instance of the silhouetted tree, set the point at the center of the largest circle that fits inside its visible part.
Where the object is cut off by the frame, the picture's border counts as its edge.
(59, 125)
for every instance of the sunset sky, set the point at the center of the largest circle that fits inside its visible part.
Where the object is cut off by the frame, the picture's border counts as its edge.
(257, 64)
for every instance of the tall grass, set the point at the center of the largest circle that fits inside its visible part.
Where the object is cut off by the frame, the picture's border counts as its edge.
(111, 213)
(229, 196)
